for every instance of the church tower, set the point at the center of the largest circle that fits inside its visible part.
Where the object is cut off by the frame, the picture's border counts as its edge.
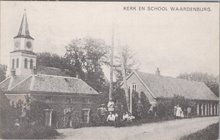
(22, 58)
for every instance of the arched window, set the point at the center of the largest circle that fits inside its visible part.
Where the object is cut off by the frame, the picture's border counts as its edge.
(13, 63)
(25, 63)
(17, 63)
(31, 64)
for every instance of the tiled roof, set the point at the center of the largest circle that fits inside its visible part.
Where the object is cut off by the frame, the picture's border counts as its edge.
(4, 84)
(167, 87)
(23, 86)
(41, 83)
(61, 84)
(12, 82)
(16, 80)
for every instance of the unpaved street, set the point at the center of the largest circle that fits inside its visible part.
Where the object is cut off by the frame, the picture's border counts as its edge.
(168, 130)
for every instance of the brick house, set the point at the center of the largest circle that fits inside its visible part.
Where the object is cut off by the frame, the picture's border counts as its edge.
(157, 87)
(50, 85)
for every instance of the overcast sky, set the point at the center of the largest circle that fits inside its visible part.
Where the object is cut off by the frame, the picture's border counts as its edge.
(176, 42)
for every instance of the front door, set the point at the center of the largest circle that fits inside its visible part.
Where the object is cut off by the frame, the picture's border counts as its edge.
(85, 115)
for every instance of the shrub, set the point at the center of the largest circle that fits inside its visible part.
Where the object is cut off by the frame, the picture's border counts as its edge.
(29, 132)
(36, 112)
(119, 97)
(165, 107)
(7, 112)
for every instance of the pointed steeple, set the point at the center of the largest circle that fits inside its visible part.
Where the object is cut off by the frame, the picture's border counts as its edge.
(24, 30)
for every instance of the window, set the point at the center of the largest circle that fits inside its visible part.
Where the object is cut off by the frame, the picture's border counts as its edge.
(129, 89)
(48, 99)
(85, 115)
(13, 63)
(31, 64)
(134, 87)
(25, 63)
(68, 100)
(17, 63)
(87, 101)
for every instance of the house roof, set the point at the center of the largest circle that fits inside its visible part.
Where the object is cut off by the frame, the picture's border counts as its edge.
(167, 87)
(41, 83)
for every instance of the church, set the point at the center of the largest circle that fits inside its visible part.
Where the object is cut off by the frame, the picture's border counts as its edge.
(62, 93)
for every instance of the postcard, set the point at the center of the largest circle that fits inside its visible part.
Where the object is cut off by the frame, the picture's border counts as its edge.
(109, 70)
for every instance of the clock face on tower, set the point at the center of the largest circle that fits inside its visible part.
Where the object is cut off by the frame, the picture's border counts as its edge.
(28, 44)
(17, 45)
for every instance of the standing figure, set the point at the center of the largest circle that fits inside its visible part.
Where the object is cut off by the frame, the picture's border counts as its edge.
(17, 124)
(179, 112)
(110, 106)
(102, 113)
(174, 110)
(189, 109)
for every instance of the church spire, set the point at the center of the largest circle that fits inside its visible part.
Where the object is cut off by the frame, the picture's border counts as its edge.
(24, 30)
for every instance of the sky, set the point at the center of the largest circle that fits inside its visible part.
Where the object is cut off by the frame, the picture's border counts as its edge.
(175, 41)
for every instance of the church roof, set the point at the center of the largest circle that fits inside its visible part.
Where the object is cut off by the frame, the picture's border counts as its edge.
(41, 83)
(167, 87)
(23, 31)
(5, 84)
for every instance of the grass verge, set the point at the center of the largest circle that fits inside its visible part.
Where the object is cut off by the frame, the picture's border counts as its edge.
(209, 133)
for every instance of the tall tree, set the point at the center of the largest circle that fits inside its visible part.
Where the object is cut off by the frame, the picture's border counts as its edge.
(88, 55)
(3, 69)
(53, 60)
(75, 56)
(210, 80)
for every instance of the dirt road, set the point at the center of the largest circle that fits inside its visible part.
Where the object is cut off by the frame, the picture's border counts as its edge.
(167, 130)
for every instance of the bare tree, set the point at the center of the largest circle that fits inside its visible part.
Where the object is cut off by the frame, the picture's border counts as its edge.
(127, 56)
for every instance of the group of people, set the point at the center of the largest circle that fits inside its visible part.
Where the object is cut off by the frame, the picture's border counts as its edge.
(125, 117)
(179, 113)
(112, 116)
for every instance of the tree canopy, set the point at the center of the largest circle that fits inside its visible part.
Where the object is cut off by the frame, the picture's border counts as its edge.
(87, 56)
(3, 69)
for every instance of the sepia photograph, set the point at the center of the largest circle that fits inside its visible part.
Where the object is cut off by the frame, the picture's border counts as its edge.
(109, 70)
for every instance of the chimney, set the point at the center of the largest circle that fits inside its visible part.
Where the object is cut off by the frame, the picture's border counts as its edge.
(157, 72)
(12, 72)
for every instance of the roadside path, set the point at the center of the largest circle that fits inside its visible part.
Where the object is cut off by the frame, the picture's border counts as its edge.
(167, 130)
